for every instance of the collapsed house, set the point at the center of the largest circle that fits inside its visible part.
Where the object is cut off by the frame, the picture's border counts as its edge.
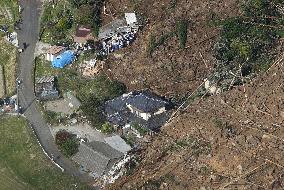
(8, 104)
(143, 107)
(45, 88)
(91, 68)
(118, 33)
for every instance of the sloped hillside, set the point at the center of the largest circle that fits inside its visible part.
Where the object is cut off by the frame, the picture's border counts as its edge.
(169, 70)
(230, 141)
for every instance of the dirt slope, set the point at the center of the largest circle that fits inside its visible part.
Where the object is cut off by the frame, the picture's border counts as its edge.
(231, 141)
(170, 71)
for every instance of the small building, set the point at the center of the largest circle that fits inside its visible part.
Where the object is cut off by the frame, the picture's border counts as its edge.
(53, 52)
(143, 107)
(82, 35)
(63, 59)
(96, 157)
(45, 88)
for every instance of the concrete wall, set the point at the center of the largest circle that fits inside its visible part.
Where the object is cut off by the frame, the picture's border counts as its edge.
(2, 82)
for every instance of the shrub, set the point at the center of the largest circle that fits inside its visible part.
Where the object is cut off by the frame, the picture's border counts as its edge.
(182, 32)
(67, 143)
(142, 130)
(107, 128)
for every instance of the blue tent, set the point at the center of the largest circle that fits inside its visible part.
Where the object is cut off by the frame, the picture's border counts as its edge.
(63, 59)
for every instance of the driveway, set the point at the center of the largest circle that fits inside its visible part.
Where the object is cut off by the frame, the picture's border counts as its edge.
(29, 34)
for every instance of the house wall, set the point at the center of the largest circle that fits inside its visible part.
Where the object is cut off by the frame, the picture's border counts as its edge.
(145, 116)
(161, 110)
(50, 57)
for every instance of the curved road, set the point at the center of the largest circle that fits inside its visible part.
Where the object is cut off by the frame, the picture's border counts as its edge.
(29, 34)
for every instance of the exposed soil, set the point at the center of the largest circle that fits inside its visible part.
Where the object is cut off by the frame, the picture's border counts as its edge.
(246, 134)
(170, 70)
(230, 141)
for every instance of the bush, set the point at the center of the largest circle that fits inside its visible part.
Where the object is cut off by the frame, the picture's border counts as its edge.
(67, 142)
(107, 128)
(141, 130)
(182, 32)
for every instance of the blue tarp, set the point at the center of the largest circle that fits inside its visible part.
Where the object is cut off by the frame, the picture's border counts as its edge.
(63, 59)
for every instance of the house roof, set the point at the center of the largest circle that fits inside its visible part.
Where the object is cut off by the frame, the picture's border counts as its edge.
(105, 149)
(83, 34)
(45, 79)
(144, 101)
(119, 114)
(96, 156)
(117, 143)
(91, 160)
(55, 49)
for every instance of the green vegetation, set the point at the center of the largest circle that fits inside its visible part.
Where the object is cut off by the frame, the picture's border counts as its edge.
(23, 164)
(93, 96)
(88, 12)
(67, 143)
(250, 38)
(141, 130)
(69, 80)
(52, 117)
(107, 128)
(57, 23)
(9, 11)
(181, 26)
(8, 60)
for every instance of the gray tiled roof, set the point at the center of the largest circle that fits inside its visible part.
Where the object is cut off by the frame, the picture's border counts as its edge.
(91, 160)
(118, 113)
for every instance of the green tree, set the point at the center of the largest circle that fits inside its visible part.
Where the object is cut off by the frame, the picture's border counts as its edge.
(182, 32)
(107, 128)
(93, 110)
(67, 143)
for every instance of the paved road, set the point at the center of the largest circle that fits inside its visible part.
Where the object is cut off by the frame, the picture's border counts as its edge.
(29, 34)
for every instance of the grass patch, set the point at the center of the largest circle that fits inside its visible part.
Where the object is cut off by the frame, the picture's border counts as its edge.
(22, 162)
(8, 59)
(9, 11)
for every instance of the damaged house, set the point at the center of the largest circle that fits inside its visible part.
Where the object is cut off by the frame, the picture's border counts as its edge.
(118, 34)
(143, 107)
(45, 88)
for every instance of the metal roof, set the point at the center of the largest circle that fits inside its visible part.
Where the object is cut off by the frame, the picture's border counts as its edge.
(45, 79)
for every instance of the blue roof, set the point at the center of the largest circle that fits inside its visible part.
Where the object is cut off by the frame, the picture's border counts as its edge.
(63, 59)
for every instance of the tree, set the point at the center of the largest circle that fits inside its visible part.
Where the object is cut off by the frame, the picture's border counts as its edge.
(182, 32)
(93, 110)
(83, 15)
(67, 142)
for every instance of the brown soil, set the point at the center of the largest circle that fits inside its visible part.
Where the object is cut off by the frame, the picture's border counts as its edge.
(246, 135)
(170, 71)
(230, 141)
